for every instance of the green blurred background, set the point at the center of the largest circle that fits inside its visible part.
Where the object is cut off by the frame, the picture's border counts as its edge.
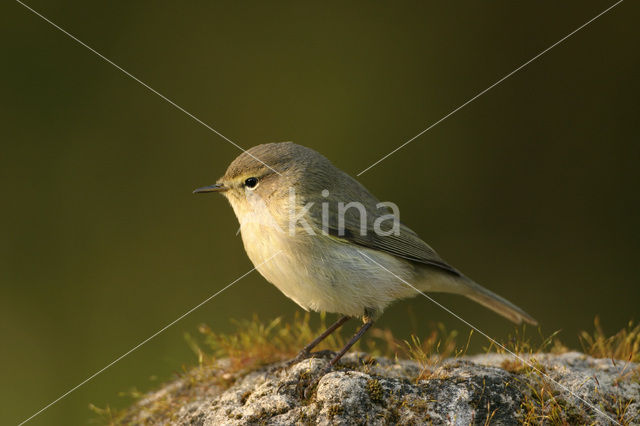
(531, 189)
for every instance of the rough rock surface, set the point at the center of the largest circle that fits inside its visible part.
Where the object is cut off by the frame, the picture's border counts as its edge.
(483, 389)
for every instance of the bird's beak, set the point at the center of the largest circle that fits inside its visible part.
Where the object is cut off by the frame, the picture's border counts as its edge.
(218, 187)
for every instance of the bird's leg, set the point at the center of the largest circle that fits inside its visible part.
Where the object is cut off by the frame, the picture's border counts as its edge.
(304, 353)
(350, 343)
(368, 323)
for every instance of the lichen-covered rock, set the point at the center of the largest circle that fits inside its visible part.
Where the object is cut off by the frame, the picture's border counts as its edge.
(571, 388)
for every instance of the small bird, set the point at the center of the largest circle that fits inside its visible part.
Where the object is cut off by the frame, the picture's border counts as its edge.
(328, 244)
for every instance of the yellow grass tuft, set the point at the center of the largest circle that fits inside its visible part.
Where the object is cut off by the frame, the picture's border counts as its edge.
(624, 345)
(223, 358)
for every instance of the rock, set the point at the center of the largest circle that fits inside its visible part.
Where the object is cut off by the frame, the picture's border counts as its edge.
(483, 389)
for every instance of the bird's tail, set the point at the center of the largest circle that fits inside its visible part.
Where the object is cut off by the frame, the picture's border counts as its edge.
(496, 303)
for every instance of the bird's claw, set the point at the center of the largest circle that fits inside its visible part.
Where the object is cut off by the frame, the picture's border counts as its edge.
(308, 390)
(283, 385)
(308, 387)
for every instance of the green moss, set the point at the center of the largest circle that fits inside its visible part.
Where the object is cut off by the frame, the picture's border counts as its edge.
(335, 410)
(375, 390)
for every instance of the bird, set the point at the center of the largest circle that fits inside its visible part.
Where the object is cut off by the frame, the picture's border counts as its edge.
(327, 243)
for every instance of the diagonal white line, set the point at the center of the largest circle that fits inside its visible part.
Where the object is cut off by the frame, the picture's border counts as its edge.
(145, 341)
(493, 85)
(127, 73)
(495, 342)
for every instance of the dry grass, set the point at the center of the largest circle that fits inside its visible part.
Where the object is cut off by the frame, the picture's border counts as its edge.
(624, 345)
(429, 353)
(543, 403)
(256, 343)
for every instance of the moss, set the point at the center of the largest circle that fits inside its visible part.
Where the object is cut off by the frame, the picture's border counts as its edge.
(375, 390)
(542, 404)
(516, 366)
(224, 358)
(624, 345)
(335, 410)
(304, 419)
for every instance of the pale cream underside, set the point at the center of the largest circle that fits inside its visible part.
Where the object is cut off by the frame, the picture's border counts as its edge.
(323, 273)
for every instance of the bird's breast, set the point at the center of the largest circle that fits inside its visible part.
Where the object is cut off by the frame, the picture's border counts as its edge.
(323, 274)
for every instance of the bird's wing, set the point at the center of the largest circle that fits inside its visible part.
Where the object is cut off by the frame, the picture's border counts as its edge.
(405, 244)
(402, 242)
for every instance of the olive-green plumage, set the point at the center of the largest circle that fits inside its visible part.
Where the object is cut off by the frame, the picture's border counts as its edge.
(334, 259)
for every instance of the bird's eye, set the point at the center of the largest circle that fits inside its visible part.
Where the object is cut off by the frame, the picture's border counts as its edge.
(251, 182)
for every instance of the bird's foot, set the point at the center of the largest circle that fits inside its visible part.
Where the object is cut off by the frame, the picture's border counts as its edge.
(307, 386)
